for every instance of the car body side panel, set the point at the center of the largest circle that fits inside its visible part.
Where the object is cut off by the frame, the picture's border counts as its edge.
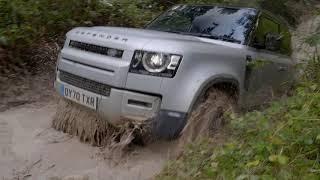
(202, 64)
(266, 77)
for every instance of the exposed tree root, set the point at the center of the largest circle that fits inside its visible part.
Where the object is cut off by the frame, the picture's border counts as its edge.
(79, 121)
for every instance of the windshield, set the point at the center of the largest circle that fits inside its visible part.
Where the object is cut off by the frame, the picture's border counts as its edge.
(227, 24)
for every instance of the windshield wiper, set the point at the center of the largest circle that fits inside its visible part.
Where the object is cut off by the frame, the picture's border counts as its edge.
(210, 36)
(228, 39)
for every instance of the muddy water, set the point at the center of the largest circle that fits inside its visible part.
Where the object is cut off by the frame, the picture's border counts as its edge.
(7, 156)
(30, 149)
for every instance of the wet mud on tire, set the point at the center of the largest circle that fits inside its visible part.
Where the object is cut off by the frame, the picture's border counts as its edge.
(207, 118)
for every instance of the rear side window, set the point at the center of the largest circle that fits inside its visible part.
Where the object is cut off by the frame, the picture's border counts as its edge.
(266, 25)
(286, 40)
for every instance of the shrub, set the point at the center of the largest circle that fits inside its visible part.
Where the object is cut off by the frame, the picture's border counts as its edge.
(281, 142)
(25, 24)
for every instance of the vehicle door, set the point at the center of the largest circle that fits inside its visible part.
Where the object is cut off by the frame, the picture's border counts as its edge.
(265, 64)
(285, 64)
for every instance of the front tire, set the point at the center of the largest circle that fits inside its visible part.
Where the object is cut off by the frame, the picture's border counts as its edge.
(208, 116)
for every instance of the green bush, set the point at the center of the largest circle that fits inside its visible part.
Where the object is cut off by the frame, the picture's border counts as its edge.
(26, 21)
(281, 142)
(24, 24)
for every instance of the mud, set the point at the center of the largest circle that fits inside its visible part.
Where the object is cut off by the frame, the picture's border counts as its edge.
(82, 122)
(19, 91)
(90, 128)
(30, 149)
(207, 119)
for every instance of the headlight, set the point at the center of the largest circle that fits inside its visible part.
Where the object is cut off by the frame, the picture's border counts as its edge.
(156, 64)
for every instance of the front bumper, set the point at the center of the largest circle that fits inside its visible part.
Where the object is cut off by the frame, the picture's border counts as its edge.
(123, 105)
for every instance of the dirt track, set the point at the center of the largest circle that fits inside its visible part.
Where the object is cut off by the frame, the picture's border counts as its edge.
(30, 149)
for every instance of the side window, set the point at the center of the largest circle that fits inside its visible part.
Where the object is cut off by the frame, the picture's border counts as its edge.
(265, 26)
(285, 47)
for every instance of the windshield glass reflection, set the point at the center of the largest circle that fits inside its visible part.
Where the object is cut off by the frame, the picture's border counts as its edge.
(224, 23)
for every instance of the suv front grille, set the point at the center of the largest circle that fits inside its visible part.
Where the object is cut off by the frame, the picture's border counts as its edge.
(84, 83)
(96, 49)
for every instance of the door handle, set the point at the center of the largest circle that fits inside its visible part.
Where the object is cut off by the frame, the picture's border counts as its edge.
(282, 68)
(248, 58)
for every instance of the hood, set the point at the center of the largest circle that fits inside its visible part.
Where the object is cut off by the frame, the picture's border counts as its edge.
(145, 33)
(132, 38)
(125, 38)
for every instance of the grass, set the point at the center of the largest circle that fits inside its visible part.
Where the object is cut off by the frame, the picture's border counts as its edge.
(281, 142)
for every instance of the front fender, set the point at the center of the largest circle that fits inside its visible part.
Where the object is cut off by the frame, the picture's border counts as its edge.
(217, 79)
(181, 92)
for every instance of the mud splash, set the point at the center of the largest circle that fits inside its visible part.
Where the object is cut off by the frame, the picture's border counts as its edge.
(208, 117)
(86, 124)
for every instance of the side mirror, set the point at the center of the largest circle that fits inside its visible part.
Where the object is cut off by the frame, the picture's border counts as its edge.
(258, 45)
(273, 41)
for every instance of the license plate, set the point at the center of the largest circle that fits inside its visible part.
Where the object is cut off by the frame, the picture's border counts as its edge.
(80, 96)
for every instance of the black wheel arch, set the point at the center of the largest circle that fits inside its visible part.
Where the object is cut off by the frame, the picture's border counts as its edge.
(165, 127)
(230, 85)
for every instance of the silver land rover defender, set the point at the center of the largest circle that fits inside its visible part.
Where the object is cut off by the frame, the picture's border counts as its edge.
(159, 73)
